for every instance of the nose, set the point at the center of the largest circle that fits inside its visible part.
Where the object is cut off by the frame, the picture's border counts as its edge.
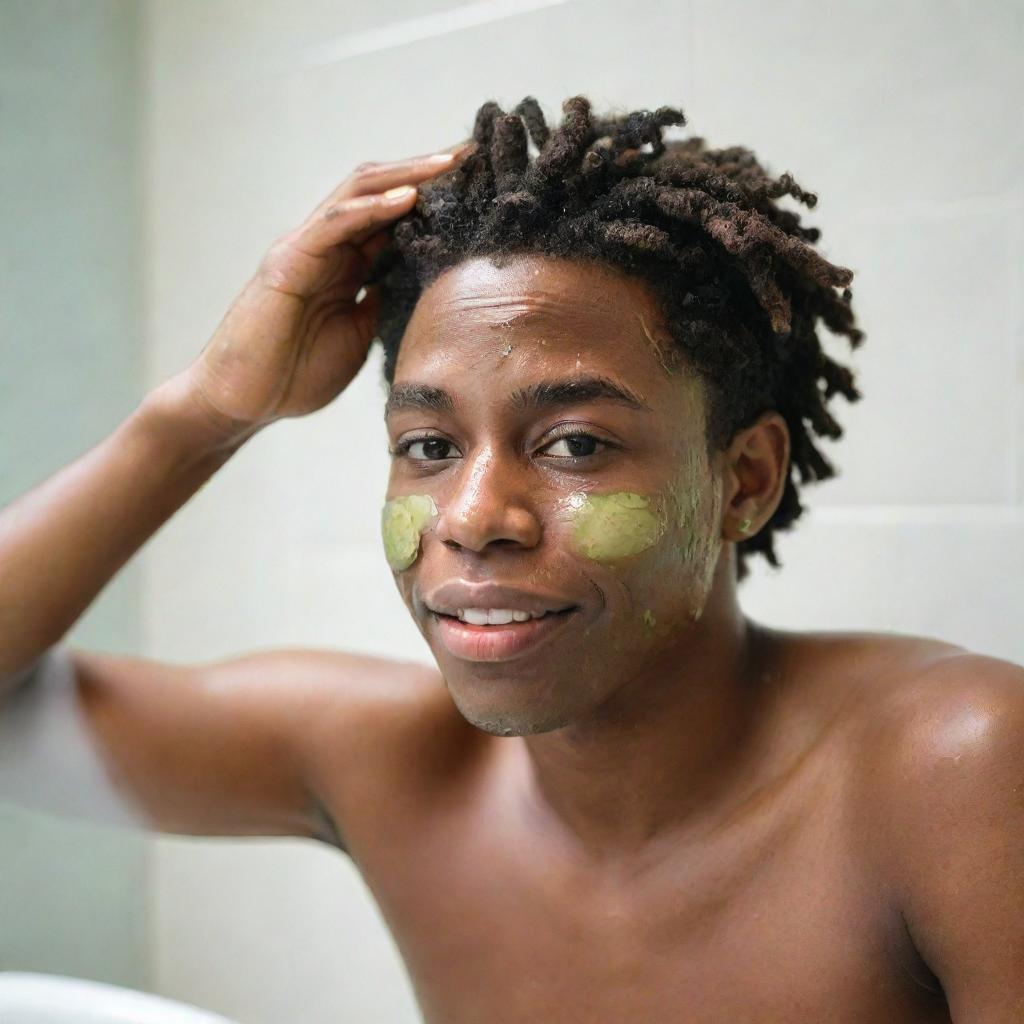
(489, 503)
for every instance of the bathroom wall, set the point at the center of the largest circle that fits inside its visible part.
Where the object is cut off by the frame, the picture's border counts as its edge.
(72, 897)
(903, 118)
(150, 153)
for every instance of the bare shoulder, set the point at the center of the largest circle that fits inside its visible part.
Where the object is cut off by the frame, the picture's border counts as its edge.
(954, 708)
(903, 700)
(935, 772)
(885, 674)
(921, 692)
(931, 726)
(348, 705)
(379, 737)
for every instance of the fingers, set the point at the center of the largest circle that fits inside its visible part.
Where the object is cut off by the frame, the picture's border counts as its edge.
(350, 219)
(373, 196)
(371, 177)
(364, 316)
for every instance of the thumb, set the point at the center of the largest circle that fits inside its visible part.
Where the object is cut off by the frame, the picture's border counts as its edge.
(365, 314)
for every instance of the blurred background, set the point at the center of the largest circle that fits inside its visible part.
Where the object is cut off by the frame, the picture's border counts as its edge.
(151, 151)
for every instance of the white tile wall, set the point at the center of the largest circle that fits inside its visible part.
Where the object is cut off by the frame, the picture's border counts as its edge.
(275, 930)
(904, 118)
(72, 897)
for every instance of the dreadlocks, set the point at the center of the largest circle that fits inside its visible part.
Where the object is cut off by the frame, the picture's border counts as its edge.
(739, 286)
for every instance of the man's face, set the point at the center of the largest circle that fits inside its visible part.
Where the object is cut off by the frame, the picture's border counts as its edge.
(601, 510)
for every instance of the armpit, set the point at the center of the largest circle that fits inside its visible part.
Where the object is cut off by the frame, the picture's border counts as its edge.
(324, 827)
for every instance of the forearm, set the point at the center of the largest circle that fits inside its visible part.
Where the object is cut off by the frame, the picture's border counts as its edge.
(62, 541)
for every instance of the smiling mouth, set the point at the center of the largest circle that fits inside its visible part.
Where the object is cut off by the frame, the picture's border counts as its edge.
(499, 641)
(495, 617)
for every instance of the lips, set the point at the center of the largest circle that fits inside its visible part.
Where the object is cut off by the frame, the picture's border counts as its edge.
(536, 615)
(455, 596)
(499, 642)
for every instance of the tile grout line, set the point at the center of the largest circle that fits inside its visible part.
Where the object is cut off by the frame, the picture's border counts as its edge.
(939, 515)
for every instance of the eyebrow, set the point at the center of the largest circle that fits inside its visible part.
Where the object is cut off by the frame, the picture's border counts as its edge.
(543, 395)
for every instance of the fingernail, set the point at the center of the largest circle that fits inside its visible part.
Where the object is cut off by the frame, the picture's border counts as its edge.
(460, 149)
(400, 192)
(440, 158)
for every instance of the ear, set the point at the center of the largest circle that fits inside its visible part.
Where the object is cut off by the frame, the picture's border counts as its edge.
(755, 467)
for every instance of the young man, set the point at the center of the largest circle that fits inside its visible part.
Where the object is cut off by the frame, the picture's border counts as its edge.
(617, 797)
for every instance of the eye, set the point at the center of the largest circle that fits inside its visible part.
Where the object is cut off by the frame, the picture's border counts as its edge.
(425, 449)
(576, 446)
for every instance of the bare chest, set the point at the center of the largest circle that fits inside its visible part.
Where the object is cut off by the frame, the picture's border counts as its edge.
(769, 918)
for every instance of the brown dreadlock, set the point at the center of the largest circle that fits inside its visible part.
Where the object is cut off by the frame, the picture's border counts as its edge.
(739, 286)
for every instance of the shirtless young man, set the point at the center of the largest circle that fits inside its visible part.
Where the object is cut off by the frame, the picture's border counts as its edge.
(643, 806)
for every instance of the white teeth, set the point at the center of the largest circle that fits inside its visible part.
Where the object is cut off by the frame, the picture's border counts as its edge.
(495, 616)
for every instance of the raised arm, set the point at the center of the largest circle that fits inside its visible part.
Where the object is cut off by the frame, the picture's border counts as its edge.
(206, 748)
(263, 743)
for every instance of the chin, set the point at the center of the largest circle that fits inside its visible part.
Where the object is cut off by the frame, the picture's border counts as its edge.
(506, 717)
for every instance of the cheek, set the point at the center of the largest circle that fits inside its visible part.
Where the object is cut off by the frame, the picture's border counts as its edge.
(696, 502)
(652, 555)
(402, 523)
(608, 527)
(627, 544)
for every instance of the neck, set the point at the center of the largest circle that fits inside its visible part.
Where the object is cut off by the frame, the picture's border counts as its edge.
(660, 752)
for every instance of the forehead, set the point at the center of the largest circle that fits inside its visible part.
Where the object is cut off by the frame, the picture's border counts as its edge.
(486, 324)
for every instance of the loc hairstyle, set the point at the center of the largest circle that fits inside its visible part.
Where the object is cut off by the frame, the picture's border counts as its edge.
(739, 284)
